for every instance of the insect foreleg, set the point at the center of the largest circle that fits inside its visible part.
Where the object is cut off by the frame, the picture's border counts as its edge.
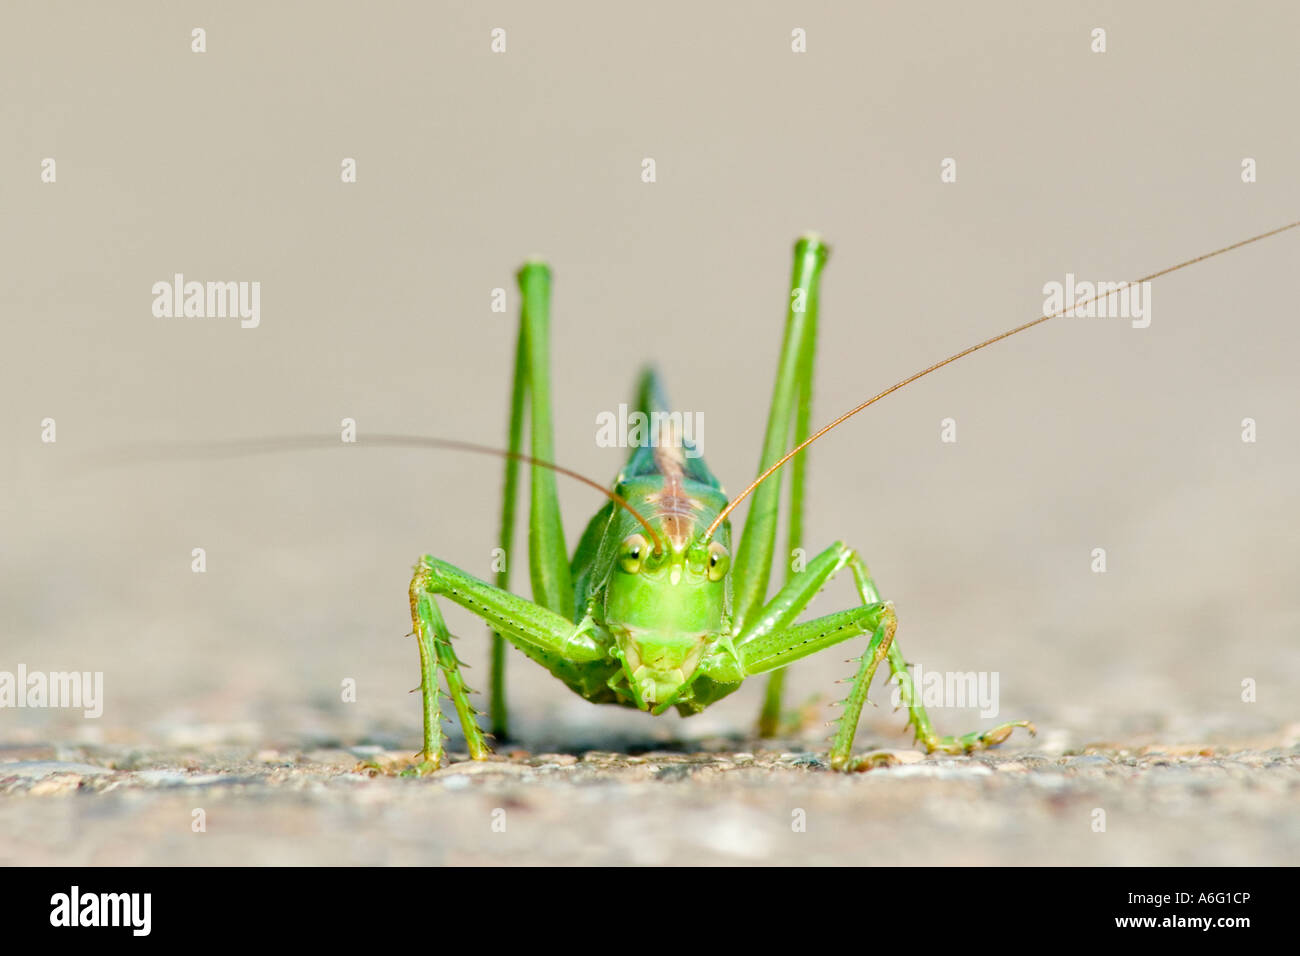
(553, 641)
(773, 641)
(436, 653)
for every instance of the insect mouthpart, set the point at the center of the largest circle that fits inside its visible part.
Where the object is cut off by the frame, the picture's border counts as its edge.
(659, 668)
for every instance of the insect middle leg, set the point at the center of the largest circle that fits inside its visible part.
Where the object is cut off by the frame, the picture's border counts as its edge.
(916, 716)
(774, 641)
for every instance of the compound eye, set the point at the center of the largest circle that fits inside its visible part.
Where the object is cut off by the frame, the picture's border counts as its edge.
(632, 552)
(719, 561)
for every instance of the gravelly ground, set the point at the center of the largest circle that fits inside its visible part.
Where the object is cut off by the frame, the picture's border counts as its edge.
(718, 801)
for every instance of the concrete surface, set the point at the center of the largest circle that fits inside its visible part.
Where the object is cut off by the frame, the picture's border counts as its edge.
(718, 801)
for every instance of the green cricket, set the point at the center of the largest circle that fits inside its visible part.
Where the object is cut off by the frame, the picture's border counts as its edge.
(654, 610)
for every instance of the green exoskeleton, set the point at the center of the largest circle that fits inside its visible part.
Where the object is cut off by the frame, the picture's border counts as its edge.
(659, 607)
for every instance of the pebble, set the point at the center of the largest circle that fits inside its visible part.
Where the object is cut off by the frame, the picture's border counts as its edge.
(936, 771)
(170, 778)
(35, 769)
(478, 767)
(1089, 761)
(563, 760)
(58, 784)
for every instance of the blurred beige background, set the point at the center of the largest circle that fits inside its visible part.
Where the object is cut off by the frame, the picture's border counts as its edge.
(375, 306)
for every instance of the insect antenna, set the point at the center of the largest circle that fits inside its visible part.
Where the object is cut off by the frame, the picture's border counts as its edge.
(731, 505)
(240, 447)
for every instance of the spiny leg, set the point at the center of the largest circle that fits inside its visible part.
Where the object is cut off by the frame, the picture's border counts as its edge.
(568, 650)
(774, 641)
(925, 732)
(880, 622)
(841, 752)
(436, 653)
(917, 717)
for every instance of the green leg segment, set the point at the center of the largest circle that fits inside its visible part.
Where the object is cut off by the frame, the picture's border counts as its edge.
(436, 652)
(789, 423)
(770, 719)
(530, 393)
(925, 732)
(775, 641)
(509, 497)
(548, 564)
(552, 640)
(789, 418)
(916, 715)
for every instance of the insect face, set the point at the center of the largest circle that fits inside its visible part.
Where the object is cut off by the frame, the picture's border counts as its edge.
(665, 610)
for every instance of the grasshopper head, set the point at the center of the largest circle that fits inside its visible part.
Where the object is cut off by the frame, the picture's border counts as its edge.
(665, 610)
